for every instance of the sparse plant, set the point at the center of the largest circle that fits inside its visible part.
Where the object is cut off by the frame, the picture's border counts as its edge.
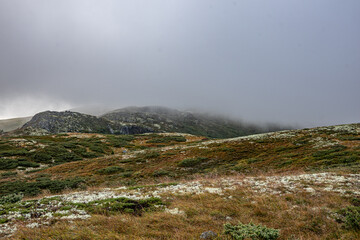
(160, 173)
(110, 170)
(11, 198)
(252, 231)
(350, 216)
(191, 162)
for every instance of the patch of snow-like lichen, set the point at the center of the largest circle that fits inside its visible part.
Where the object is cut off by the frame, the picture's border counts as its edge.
(49, 208)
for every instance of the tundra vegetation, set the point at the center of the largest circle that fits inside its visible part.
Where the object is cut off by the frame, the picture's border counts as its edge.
(298, 184)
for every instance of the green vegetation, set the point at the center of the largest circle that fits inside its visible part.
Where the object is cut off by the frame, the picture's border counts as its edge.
(122, 205)
(192, 162)
(251, 231)
(6, 164)
(35, 188)
(11, 198)
(8, 174)
(160, 173)
(120, 140)
(116, 161)
(350, 216)
(110, 170)
(167, 139)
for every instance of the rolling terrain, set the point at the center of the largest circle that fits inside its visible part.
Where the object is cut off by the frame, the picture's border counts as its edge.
(136, 120)
(294, 184)
(7, 125)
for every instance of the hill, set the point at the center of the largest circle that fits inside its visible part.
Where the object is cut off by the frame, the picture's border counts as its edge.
(134, 120)
(51, 122)
(304, 183)
(162, 119)
(7, 125)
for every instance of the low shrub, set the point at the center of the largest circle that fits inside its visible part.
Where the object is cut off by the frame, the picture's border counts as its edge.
(350, 217)
(35, 188)
(152, 154)
(11, 198)
(110, 170)
(160, 173)
(8, 174)
(122, 205)
(167, 139)
(191, 162)
(6, 164)
(26, 163)
(54, 154)
(251, 231)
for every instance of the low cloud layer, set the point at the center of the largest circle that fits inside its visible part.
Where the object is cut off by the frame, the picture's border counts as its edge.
(293, 62)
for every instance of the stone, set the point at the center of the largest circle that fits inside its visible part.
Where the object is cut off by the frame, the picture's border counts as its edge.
(208, 235)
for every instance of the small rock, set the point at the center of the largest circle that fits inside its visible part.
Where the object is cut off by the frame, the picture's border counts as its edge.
(208, 235)
(228, 218)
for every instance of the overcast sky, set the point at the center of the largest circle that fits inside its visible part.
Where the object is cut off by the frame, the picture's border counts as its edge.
(284, 61)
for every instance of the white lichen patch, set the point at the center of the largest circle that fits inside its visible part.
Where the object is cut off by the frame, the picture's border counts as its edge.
(304, 182)
(174, 211)
(58, 207)
(320, 142)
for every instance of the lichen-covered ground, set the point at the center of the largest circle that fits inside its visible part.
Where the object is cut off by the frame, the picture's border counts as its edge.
(306, 183)
(46, 211)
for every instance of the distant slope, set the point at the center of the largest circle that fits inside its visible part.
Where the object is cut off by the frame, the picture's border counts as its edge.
(162, 119)
(95, 110)
(13, 123)
(51, 122)
(135, 120)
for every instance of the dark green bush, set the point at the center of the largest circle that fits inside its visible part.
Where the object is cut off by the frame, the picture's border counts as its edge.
(120, 141)
(54, 154)
(14, 152)
(167, 139)
(97, 148)
(11, 198)
(160, 173)
(41, 157)
(329, 152)
(110, 170)
(350, 216)
(191, 162)
(35, 188)
(6, 164)
(152, 154)
(8, 174)
(123, 205)
(4, 220)
(26, 163)
(251, 231)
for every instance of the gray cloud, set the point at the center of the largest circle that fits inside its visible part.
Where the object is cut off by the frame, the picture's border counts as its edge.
(281, 61)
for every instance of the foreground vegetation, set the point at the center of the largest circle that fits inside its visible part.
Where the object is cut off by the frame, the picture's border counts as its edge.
(45, 165)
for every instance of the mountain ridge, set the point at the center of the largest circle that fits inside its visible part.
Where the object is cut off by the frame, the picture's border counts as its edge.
(135, 120)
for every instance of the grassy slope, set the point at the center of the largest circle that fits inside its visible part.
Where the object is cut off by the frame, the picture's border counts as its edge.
(12, 124)
(155, 159)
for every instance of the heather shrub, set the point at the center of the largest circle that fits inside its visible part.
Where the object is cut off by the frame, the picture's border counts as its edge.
(251, 231)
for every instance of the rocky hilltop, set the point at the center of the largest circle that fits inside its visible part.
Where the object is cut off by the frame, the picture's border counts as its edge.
(162, 119)
(137, 120)
(51, 122)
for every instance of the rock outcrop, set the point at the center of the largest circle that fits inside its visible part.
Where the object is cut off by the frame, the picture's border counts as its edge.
(51, 122)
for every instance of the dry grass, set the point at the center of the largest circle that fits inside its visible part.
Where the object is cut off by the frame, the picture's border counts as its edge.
(300, 215)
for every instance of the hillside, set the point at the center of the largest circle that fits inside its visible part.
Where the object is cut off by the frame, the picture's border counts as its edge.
(304, 183)
(13, 123)
(51, 122)
(135, 120)
(162, 119)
